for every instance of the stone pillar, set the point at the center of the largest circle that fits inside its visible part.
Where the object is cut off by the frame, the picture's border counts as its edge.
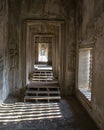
(50, 53)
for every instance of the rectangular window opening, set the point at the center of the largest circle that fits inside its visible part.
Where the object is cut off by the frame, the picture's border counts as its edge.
(85, 72)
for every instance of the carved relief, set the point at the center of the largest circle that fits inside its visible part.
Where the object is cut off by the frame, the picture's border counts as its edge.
(79, 21)
(43, 39)
(90, 32)
(52, 7)
(94, 30)
(43, 8)
(13, 53)
(99, 26)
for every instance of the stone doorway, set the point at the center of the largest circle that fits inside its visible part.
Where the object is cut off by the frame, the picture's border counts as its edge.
(42, 53)
(38, 32)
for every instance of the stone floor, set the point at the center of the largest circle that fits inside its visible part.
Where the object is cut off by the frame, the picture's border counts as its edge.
(66, 115)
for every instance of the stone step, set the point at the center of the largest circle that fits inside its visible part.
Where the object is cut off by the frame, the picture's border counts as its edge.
(42, 92)
(43, 89)
(38, 98)
(41, 97)
(42, 76)
(43, 86)
(38, 72)
(43, 81)
(38, 78)
(42, 71)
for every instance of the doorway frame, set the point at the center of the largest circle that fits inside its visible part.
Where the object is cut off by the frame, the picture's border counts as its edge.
(27, 34)
(42, 36)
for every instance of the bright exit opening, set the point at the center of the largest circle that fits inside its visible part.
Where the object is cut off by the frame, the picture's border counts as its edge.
(43, 52)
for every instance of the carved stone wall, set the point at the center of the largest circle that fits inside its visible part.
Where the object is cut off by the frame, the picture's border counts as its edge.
(4, 88)
(70, 57)
(22, 10)
(90, 32)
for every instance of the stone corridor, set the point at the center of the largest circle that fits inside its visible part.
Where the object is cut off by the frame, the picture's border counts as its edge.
(68, 37)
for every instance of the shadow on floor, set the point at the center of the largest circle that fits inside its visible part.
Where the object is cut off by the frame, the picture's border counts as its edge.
(66, 115)
(82, 119)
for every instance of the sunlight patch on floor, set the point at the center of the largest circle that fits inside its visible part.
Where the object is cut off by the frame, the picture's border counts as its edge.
(25, 111)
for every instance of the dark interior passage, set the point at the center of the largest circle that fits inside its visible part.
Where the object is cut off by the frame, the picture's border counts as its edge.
(51, 50)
